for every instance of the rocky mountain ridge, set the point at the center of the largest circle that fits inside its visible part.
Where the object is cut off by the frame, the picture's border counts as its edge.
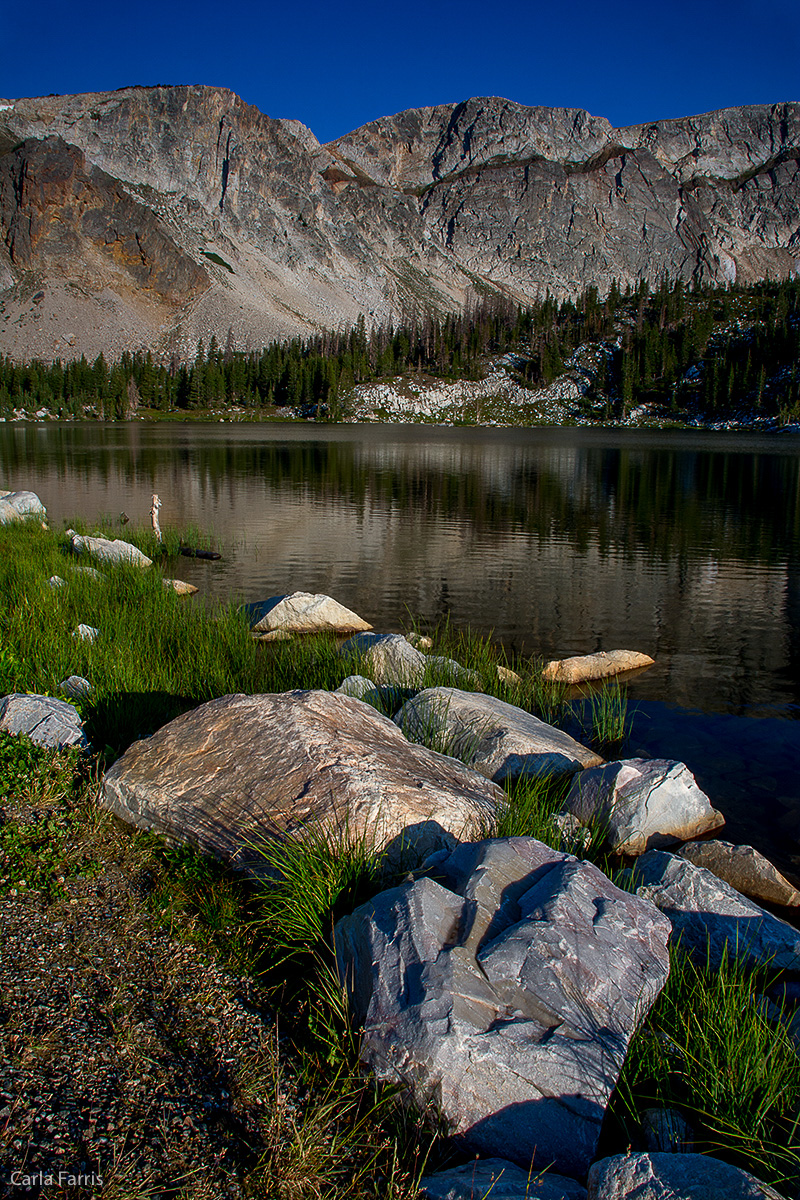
(156, 216)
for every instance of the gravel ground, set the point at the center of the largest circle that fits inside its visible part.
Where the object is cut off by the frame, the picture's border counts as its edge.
(128, 1057)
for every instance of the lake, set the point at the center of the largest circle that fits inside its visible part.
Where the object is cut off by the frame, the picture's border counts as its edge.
(555, 541)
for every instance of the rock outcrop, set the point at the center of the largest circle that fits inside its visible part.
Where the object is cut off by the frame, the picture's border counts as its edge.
(175, 212)
(241, 769)
(507, 990)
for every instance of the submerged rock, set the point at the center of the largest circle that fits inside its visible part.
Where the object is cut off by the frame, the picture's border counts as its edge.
(496, 738)
(241, 769)
(45, 720)
(303, 612)
(673, 1177)
(585, 667)
(507, 990)
(642, 804)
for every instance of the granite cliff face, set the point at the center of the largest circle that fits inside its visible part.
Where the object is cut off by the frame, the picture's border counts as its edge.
(154, 216)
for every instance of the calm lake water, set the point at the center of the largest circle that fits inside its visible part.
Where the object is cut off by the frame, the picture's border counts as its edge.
(556, 541)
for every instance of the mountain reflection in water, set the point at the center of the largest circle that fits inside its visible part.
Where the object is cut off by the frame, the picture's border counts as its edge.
(556, 541)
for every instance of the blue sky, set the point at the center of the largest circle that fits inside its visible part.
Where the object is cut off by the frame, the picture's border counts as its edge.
(336, 66)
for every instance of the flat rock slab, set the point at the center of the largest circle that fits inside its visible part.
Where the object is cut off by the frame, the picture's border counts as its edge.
(710, 918)
(108, 551)
(498, 1179)
(303, 612)
(585, 667)
(673, 1177)
(241, 769)
(45, 720)
(744, 869)
(497, 739)
(642, 804)
(506, 990)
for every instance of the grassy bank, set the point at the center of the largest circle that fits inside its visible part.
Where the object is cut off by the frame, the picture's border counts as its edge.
(188, 1038)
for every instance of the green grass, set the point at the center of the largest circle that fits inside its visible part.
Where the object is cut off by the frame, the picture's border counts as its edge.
(707, 1050)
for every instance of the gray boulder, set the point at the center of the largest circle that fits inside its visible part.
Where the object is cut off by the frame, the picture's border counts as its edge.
(75, 686)
(507, 990)
(498, 1179)
(45, 720)
(673, 1177)
(112, 552)
(241, 769)
(710, 918)
(642, 804)
(303, 612)
(389, 658)
(744, 869)
(497, 739)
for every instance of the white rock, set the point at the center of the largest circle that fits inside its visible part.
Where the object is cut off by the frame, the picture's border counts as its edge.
(642, 804)
(304, 612)
(55, 581)
(86, 633)
(113, 552)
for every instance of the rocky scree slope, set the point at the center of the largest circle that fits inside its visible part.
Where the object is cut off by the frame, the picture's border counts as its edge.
(155, 216)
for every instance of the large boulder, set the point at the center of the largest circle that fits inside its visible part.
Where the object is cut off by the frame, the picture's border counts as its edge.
(497, 739)
(710, 918)
(673, 1177)
(506, 990)
(241, 769)
(642, 804)
(744, 869)
(303, 612)
(107, 551)
(45, 720)
(585, 667)
(498, 1179)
